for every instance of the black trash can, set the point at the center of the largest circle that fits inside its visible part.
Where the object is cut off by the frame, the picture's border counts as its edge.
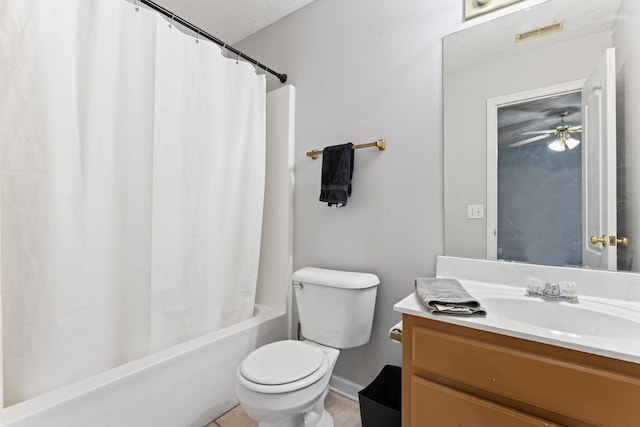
(380, 401)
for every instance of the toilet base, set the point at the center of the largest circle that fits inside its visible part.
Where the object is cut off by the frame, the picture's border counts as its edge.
(298, 421)
(326, 420)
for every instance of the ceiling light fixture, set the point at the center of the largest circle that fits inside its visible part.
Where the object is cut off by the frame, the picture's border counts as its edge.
(564, 140)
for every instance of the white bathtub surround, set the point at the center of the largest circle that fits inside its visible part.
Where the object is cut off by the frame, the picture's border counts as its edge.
(276, 246)
(605, 321)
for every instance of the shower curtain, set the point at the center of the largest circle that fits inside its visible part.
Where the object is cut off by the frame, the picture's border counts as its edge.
(131, 188)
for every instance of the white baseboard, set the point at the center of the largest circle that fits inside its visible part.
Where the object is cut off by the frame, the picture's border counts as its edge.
(344, 387)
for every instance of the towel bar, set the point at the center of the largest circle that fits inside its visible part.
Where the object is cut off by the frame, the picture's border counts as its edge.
(381, 144)
(395, 333)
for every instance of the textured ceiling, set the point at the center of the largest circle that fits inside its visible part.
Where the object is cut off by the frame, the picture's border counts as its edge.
(538, 115)
(232, 20)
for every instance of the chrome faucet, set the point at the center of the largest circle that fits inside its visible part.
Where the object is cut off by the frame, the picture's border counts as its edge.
(561, 291)
(551, 290)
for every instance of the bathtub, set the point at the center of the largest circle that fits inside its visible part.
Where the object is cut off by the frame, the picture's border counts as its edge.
(190, 384)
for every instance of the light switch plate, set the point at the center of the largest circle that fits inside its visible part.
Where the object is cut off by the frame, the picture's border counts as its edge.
(475, 211)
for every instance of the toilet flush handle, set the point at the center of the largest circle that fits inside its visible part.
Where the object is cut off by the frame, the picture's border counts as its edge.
(294, 284)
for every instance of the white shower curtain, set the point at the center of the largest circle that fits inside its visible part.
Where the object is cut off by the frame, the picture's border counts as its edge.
(131, 178)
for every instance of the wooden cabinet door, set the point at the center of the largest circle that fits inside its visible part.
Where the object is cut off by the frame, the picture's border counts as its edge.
(583, 393)
(435, 405)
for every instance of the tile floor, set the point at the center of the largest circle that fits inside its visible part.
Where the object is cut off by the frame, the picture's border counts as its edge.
(345, 413)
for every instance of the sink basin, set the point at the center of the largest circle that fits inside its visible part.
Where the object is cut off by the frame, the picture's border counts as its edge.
(598, 325)
(566, 320)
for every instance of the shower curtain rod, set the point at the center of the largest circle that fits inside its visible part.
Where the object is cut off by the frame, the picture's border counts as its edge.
(199, 31)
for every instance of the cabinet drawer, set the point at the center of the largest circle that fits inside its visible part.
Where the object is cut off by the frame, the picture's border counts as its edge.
(437, 405)
(580, 392)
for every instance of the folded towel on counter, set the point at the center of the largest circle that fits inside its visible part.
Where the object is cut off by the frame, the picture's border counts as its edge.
(337, 171)
(447, 296)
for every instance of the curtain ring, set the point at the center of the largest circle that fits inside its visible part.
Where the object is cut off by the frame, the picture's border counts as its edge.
(238, 57)
(171, 22)
(224, 49)
(135, 2)
(198, 37)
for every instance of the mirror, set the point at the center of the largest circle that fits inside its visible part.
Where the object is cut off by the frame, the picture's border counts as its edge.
(484, 63)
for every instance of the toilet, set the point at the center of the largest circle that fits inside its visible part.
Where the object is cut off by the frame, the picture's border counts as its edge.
(284, 383)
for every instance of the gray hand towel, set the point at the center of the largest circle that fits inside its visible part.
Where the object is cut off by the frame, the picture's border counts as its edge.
(447, 296)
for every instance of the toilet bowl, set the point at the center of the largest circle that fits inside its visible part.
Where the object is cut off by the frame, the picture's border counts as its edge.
(284, 383)
(291, 392)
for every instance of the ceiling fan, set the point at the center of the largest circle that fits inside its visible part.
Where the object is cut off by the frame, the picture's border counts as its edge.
(562, 131)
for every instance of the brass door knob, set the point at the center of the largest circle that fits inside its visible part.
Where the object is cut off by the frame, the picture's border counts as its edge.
(613, 241)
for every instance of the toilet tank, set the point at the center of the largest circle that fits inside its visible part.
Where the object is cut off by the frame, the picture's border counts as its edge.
(335, 307)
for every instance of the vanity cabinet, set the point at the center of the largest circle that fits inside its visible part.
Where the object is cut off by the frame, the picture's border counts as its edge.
(460, 376)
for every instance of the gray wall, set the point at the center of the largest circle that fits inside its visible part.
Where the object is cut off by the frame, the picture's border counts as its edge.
(363, 70)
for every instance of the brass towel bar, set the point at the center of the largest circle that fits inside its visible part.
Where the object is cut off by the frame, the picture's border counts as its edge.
(381, 144)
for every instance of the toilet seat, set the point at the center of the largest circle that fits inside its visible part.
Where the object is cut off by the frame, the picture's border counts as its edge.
(282, 367)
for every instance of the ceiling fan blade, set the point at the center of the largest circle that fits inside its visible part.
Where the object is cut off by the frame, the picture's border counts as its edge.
(534, 132)
(528, 140)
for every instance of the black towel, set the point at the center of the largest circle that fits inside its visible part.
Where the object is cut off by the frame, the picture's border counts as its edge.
(337, 171)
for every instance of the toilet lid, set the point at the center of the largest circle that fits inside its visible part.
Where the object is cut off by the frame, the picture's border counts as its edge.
(282, 362)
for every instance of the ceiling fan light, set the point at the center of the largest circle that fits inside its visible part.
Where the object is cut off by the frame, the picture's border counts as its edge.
(572, 143)
(557, 145)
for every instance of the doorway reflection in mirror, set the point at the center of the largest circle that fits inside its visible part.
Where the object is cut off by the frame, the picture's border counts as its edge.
(540, 187)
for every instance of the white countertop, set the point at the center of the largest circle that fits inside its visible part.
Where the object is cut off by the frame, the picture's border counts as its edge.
(595, 335)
